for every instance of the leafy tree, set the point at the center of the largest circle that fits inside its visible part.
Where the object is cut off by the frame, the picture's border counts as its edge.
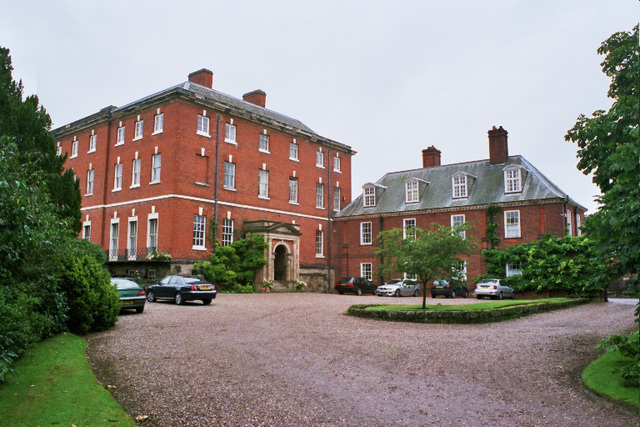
(432, 254)
(609, 147)
(234, 267)
(568, 264)
(27, 124)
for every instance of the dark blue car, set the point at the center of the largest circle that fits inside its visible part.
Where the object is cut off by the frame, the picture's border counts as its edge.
(180, 288)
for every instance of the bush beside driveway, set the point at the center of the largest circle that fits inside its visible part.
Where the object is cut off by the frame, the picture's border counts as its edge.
(297, 360)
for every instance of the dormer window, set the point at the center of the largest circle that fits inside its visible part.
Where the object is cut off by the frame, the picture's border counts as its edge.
(513, 180)
(369, 198)
(411, 191)
(459, 182)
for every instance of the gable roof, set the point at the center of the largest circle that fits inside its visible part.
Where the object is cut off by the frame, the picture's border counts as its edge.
(485, 186)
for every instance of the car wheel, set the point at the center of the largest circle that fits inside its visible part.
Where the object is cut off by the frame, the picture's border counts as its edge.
(466, 294)
(178, 298)
(151, 297)
(433, 295)
(397, 292)
(358, 291)
(206, 301)
(341, 293)
(139, 309)
(416, 293)
(479, 296)
(500, 295)
(453, 294)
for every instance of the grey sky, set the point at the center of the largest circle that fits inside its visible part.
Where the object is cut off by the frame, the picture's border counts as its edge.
(388, 78)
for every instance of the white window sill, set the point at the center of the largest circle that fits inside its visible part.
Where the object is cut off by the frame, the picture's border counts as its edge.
(294, 203)
(91, 151)
(88, 194)
(202, 184)
(365, 244)
(319, 166)
(73, 156)
(203, 134)
(230, 141)
(263, 151)
(135, 186)
(199, 248)
(115, 190)
(319, 256)
(320, 208)
(119, 143)
(337, 171)
(264, 197)
(154, 182)
(157, 132)
(229, 188)
(136, 139)
(294, 159)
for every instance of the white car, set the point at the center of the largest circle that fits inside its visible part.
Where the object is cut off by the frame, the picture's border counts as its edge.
(399, 287)
(493, 288)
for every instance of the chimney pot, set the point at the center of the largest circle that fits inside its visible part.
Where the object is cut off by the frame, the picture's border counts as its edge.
(257, 97)
(202, 77)
(430, 157)
(498, 148)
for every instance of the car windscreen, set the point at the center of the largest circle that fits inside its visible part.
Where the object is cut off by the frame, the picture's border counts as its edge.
(192, 280)
(394, 281)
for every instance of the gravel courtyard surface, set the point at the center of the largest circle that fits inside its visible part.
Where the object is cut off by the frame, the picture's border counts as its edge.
(297, 360)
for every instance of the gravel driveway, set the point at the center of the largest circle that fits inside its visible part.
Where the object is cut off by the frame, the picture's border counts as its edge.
(297, 360)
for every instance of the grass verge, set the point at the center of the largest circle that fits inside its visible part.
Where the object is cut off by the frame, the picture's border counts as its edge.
(480, 306)
(600, 376)
(54, 385)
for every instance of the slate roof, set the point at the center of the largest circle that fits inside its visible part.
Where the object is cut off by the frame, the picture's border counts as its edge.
(485, 186)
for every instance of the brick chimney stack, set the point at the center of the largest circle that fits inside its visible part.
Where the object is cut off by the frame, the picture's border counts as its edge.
(202, 77)
(498, 149)
(257, 97)
(430, 157)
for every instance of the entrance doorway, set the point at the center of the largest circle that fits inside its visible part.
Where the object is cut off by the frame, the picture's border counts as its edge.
(280, 264)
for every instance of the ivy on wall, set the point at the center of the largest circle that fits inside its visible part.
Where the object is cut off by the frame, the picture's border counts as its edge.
(491, 228)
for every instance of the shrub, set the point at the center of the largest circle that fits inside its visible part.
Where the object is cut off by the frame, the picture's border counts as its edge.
(628, 346)
(93, 302)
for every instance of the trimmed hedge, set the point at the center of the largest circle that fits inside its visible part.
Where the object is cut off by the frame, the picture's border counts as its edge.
(461, 316)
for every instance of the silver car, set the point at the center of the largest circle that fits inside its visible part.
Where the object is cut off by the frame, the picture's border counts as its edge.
(399, 287)
(493, 288)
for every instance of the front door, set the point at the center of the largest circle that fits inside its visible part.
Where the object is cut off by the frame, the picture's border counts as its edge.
(280, 264)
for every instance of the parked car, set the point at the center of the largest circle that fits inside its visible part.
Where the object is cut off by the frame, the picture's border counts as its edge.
(354, 285)
(493, 288)
(399, 287)
(449, 288)
(132, 295)
(181, 288)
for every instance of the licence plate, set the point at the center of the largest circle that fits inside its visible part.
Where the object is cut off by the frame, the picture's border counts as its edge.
(439, 287)
(484, 287)
(205, 287)
(126, 302)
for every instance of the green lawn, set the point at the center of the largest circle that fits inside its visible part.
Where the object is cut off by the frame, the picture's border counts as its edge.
(487, 305)
(600, 377)
(54, 385)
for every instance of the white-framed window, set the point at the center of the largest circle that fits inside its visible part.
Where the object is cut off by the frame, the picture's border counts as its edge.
(199, 222)
(86, 230)
(513, 269)
(293, 190)
(90, 176)
(152, 233)
(366, 234)
(117, 177)
(366, 270)
(203, 125)
(457, 220)
(132, 241)
(229, 175)
(93, 142)
(138, 130)
(227, 232)
(230, 133)
(58, 149)
(462, 269)
(369, 198)
(411, 192)
(156, 167)
(578, 225)
(264, 142)
(569, 228)
(120, 136)
(151, 274)
(113, 241)
(409, 228)
(319, 195)
(293, 150)
(135, 172)
(336, 199)
(319, 243)
(512, 180)
(74, 148)
(319, 159)
(336, 163)
(263, 184)
(158, 123)
(511, 224)
(459, 183)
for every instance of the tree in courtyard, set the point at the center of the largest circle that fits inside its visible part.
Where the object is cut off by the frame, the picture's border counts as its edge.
(425, 254)
(27, 124)
(609, 147)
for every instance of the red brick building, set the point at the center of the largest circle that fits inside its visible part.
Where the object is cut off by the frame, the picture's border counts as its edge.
(531, 206)
(158, 172)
